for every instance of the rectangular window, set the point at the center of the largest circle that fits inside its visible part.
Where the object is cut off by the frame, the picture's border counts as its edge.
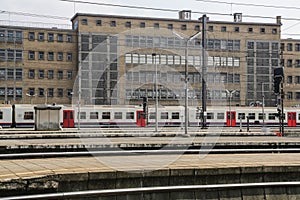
(60, 74)
(10, 74)
(175, 115)
(142, 25)
(31, 36)
(60, 38)
(251, 115)
(290, 47)
(31, 91)
(69, 74)
(84, 21)
(50, 56)
(28, 115)
(223, 29)
(220, 115)
(19, 74)
(262, 30)
(31, 55)
(60, 92)
(237, 29)
(156, 25)
(60, 56)
(41, 55)
(128, 24)
(106, 115)
(98, 22)
(94, 115)
(50, 74)
(241, 116)
(41, 92)
(1, 115)
(31, 74)
(41, 37)
(197, 28)
(274, 31)
(183, 27)
(69, 57)
(82, 115)
(118, 115)
(41, 74)
(289, 63)
(170, 26)
(69, 93)
(164, 115)
(50, 92)
(210, 28)
(69, 38)
(113, 23)
(250, 30)
(297, 47)
(272, 116)
(289, 79)
(50, 37)
(210, 116)
(129, 115)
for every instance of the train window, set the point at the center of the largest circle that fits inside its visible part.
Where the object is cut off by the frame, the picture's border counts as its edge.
(152, 115)
(106, 115)
(130, 115)
(71, 115)
(28, 115)
(251, 115)
(82, 115)
(1, 115)
(241, 116)
(272, 116)
(220, 115)
(260, 116)
(118, 115)
(298, 116)
(94, 115)
(210, 116)
(175, 115)
(164, 115)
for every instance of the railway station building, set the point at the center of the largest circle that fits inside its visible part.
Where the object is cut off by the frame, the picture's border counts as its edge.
(113, 59)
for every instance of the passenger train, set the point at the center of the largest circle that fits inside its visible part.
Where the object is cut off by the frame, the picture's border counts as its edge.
(22, 115)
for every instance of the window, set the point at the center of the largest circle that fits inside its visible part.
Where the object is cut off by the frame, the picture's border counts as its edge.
(274, 31)
(210, 116)
(41, 55)
(31, 55)
(10, 74)
(113, 23)
(60, 56)
(290, 79)
(41, 37)
(164, 115)
(197, 28)
(31, 74)
(297, 47)
(262, 30)
(41, 92)
(69, 38)
(2, 91)
(69, 93)
(69, 74)
(210, 28)
(31, 91)
(297, 64)
(82, 115)
(156, 25)
(118, 115)
(297, 79)
(60, 38)
(28, 115)
(1, 115)
(50, 74)
(250, 30)
(128, 24)
(60, 74)
(142, 25)
(297, 95)
(241, 116)
(50, 37)
(19, 74)
(94, 115)
(41, 74)
(223, 28)
(251, 115)
(220, 115)
(282, 48)
(106, 115)
(183, 27)
(50, 56)
(290, 47)
(60, 92)
(175, 115)
(236, 29)
(84, 21)
(69, 56)
(98, 22)
(50, 92)
(289, 95)
(170, 26)
(31, 36)
(129, 115)
(289, 63)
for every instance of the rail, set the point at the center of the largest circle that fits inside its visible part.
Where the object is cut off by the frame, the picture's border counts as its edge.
(128, 191)
(152, 152)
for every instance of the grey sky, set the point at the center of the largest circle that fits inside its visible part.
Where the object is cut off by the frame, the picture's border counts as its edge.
(65, 9)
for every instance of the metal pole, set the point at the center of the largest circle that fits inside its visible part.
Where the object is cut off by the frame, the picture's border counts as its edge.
(263, 102)
(156, 94)
(186, 88)
(230, 109)
(203, 71)
(282, 111)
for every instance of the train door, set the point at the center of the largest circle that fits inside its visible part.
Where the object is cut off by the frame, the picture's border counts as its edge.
(292, 119)
(140, 118)
(68, 121)
(231, 118)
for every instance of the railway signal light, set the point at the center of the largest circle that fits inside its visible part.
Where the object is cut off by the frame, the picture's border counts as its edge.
(145, 100)
(278, 78)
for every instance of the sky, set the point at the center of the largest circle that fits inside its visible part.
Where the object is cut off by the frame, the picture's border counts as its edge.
(16, 11)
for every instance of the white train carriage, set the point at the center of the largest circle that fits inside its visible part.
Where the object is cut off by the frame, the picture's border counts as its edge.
(23, 115)
(166, 115)
(6, 115)
(103, 116)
